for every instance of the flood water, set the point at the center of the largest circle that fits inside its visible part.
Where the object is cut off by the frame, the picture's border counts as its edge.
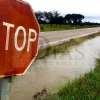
(56, 70)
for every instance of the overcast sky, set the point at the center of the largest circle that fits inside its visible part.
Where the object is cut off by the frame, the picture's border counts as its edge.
(85, 7)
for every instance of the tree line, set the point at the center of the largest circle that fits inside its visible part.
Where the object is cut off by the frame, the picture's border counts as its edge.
(54, 17)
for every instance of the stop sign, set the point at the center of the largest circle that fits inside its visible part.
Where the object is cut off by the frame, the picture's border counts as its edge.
(19, 32)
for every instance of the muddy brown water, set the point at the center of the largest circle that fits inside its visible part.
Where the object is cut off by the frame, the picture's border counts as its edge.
(56, 70)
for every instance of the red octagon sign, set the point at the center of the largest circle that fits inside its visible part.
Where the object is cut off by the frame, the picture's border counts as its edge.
(19, 32)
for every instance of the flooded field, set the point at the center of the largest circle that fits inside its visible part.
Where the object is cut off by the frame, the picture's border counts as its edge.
(56, 70)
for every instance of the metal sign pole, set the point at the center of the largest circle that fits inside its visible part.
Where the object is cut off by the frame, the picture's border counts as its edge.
(4, 89)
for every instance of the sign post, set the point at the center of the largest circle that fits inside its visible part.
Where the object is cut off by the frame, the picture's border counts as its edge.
(19, 36)
(4, 89)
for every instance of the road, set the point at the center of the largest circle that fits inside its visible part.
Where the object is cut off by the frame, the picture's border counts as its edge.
(56, 37)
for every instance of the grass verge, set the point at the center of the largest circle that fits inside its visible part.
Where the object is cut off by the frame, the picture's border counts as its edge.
(83, 88)
(48, 27)
(66, 47)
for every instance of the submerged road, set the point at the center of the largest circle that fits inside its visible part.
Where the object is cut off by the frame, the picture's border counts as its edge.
(56, 37)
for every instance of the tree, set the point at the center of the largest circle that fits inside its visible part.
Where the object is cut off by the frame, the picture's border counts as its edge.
(60, 20)
(39, 15)
(77, 19)
(54, 19)
(51, 17)
(68, 18)
(80, 18)
(47, 16)
(74, 19)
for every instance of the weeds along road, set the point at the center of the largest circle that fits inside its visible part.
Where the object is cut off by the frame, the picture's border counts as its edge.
(57, 37)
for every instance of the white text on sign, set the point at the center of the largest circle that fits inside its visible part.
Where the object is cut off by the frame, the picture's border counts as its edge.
(8, 25)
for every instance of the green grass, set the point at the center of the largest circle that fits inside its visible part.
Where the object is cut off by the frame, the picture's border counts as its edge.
(48, 27)
(66, 47)
(86, 87)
